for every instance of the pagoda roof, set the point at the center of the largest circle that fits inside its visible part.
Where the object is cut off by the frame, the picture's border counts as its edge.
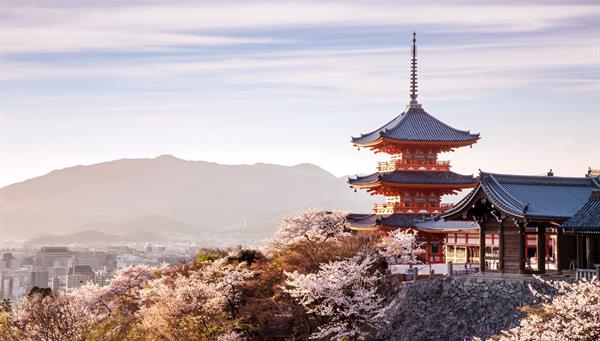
(395, 220)
(587, 219)
(415, 124)
(541, 197)
(440, 226)
(410, 178)
(422, 222)
(402, 220)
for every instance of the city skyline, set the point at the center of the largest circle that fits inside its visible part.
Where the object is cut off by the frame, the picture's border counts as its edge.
(233, 83)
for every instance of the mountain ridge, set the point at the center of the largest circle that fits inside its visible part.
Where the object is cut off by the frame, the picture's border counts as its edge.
(203, 197)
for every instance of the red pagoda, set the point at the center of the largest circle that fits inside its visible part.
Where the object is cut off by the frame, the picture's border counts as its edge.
(413, 180)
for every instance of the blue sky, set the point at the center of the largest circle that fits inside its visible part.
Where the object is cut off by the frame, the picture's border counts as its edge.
(290, 82)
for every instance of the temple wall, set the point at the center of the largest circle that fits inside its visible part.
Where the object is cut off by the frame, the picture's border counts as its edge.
(511, 248)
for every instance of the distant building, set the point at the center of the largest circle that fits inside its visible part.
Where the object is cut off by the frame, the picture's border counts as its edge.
(6, 286)
(79, 275)
(56, 271)
(96, 259)
(38, 278)
(56, 286)
(103, 279)
(53, 255)
(7, 260)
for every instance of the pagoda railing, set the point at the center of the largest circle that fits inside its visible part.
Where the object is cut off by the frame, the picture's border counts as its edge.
(445, 207)
(398, 207)
(413, 165)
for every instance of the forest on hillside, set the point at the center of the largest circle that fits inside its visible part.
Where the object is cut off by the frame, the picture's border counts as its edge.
(313, 279)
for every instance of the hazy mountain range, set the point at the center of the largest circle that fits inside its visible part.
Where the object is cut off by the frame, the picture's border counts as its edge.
(167, 198)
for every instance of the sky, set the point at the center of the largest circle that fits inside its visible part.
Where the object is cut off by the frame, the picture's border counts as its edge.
(290, 82)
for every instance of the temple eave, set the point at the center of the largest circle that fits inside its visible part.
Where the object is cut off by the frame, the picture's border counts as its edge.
(383, 141)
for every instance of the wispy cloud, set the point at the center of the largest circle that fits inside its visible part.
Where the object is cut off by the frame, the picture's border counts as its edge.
(81, 70)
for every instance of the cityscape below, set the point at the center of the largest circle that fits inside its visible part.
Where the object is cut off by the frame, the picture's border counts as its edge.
(64, 269)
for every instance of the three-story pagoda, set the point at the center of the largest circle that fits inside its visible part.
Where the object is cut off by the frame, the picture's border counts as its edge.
(413, 180)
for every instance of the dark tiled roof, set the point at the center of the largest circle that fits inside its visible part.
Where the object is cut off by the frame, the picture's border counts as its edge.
(432, 225)
(392, 220)
(80, 269)
(414, 177)
(532, 196)
(415, 124)
(362, 220)
(587, 219)
(402, 220)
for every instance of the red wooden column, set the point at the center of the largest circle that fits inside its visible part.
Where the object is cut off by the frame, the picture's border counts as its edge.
(589, 253)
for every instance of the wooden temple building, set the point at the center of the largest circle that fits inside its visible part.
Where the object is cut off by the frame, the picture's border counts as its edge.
(540, 223)
(413, 180)
(585, 226)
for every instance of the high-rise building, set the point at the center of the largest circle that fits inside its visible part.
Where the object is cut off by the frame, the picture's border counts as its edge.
(7, 260)
(38, 278)
(6, 286)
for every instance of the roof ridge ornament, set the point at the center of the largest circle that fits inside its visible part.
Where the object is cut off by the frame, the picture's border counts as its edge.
(413, 74)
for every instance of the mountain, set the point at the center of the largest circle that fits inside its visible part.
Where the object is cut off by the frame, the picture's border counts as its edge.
(93, 237)
(171, 198)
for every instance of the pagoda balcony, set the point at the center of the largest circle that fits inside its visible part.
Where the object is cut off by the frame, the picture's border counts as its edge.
(413, 165)
(399, 207)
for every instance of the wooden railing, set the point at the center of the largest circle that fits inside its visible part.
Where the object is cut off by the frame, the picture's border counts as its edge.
(398, 207)
(587, 274)
(413, 165)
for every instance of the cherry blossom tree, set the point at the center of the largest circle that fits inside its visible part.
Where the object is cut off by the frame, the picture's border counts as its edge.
(573, 314)
(198, 303)
(44, 315)
(230, 336)
(343, 294)
(312, 225)
(121, 295)
(401, 245)
(230, 281)
(181, 307)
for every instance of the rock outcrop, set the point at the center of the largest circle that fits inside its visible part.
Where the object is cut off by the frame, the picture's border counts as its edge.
(462, 308)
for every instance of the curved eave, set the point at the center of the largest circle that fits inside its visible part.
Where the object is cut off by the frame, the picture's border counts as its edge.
(468, 201)
(383, 139)
(411, 186)
(581, 230)
(451, 230)
(367, 185)
(441, 186)
(364, 228)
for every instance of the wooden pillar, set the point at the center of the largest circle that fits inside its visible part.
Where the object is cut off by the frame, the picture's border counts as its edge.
(481, 247)
(557, 253)
(594, 250)
(588, 252)
(521, 247)
(541, 248)
(579, 250)
(501, 246)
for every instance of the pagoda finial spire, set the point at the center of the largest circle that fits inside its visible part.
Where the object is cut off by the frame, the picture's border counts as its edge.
(413, 72)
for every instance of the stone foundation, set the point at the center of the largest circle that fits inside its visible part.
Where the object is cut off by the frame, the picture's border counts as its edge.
(461, 308)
